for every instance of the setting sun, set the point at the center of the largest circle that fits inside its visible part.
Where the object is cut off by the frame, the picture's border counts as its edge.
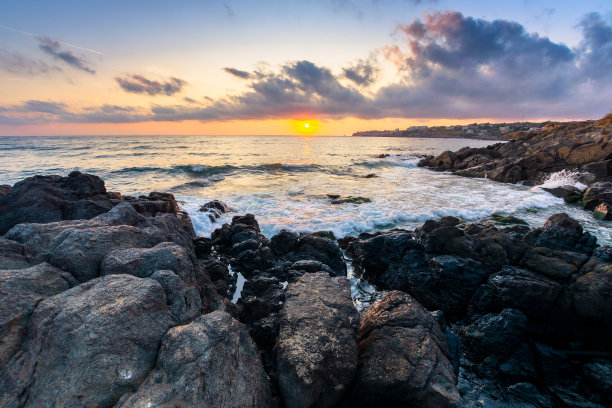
(306, 127)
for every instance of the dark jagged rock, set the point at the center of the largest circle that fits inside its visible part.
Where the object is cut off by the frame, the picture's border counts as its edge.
(5, 189)
(283, 242)
(215, 209)
(210, 362)
(154, 203)
(183, 299)
(495, 335)
(533, 294)
(403, 357)
(314, 247)
(44, 199)
(88, 345)
(562, 233)
(350, 200)
(316, 353)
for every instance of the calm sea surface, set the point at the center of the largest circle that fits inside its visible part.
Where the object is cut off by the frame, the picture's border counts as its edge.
(284, 181)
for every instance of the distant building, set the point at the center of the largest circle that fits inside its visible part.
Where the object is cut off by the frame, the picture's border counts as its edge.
(417, 128)
(504, 129)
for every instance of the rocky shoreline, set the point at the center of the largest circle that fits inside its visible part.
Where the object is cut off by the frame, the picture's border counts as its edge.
(113, 301)
(583, 149)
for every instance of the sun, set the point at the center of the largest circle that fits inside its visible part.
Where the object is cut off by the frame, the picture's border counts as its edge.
(306, 127)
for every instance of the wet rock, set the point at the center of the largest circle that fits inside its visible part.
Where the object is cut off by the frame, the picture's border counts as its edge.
(507, 220)
(88, 345)
(314, 247)
(565, 192)
(596, 194)
(560, 232)
(316, 352)
(43, 199)
(598, 380)
(154, 203)
(283, 242)
(590, 295)
(533, 294)
(299, 268)
(5, 189)
(554, 264)
(351, 200)
(215, 209)
(603, 212)
(203, 247)
(496, 335)
(403, 357)
(21, 291)
(210, 362)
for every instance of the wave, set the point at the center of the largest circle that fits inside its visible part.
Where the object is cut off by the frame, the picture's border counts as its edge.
(562, 178)
(399, 160)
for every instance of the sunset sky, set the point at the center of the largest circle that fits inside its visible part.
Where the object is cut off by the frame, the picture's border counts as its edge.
(250, 67)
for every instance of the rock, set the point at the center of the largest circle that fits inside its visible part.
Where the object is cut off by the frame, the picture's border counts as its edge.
(496, 335)
(5, 189)
(80, 246)
(351, 200)
(564, 191)
(154, 203)
(21, 291)
(203, 247)
(507, 220)
(183, 299)
(88, 345)
(403, 357)
(598, 380)
(554, 264)
(603, 212)
(283, 242)
(559, 232)
(316, 352)
(596, 194)
(143, 262)
(533, 294)
(14, 255)
(211, 362)
(590, 295)
(43, 199)
(314, 247)
(214, 209)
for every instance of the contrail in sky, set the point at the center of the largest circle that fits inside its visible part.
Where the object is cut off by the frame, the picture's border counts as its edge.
(42, 36)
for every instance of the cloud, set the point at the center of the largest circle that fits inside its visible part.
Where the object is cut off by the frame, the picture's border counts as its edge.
(54, 48)
(449, 66)
(364, 72)
(237, 73)
(139, 84)
(16, 63)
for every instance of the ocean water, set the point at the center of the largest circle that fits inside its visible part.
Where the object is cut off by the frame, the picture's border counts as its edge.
(285, 181)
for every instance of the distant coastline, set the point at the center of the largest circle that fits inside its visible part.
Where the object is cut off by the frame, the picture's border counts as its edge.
(486, 131)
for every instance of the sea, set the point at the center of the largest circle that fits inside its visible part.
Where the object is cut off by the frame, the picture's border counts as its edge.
(285, 180)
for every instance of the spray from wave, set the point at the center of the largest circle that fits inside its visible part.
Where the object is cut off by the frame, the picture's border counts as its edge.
(563, 178)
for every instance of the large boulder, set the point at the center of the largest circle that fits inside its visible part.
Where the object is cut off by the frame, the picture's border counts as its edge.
(211, 362)
(80, 246)
(88, 345)
(14, 255)
(21, 291)
(403, 357)
(561, 233)
(317, 248)
(316, 352)
(44, 199)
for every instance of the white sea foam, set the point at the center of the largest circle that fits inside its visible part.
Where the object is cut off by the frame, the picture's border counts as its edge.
(562, 178)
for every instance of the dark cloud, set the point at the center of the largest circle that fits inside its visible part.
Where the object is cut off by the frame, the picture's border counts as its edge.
(596, 47)
(363, 73)
(237, 73)
(16, 63)
(55, 108)
(139, 84)
(54, 48)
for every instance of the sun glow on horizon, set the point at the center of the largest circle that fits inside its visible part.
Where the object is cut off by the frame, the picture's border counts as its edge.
(306, 127)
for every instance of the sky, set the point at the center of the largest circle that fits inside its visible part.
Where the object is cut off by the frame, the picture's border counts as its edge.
(269, 67)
